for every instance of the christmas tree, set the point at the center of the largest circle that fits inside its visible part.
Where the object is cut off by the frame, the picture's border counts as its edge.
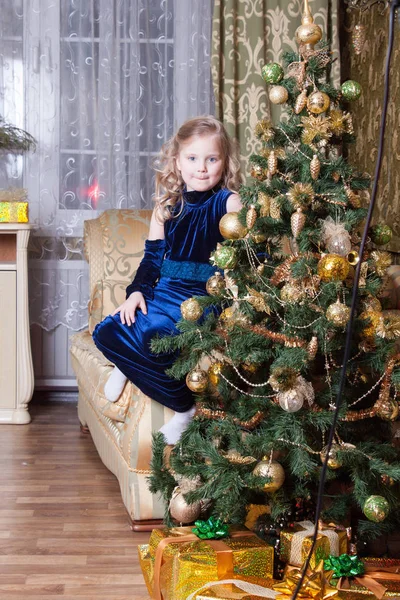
(263, 352)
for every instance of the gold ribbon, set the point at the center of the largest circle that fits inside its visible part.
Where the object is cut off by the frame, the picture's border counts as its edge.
(369, 580)
(316, 584)
(223, 553)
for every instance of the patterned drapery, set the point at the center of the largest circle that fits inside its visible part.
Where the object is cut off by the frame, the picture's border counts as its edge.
(246, 35)
(100, 84)
(368, 69)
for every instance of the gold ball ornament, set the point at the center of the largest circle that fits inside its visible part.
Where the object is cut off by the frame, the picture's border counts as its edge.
(231, 228)
(374, 318)
(214, 373)
(333, 267)
(258, 236)
(278, 94)
(318, 102)
(191, 309)
(197, 380)
(387, 409)
(180, 510)
(376, 508)
(333, 461)
(338, 314)
(231, 316)
(216, 285)
(258, 172)
(272, 469)
(292, 293)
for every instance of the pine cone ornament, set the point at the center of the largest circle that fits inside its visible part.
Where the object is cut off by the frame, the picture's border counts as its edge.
(297, 221)
(300, 103)
(251, 217)
(272, 163)
(315, 167)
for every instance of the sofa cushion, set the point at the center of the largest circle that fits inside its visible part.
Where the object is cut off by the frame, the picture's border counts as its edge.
(92, 372)
(106, 296)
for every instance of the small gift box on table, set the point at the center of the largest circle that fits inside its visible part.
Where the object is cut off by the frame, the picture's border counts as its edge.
(13, 206)
(295, 543)
(175, 563)
(355, 578)
(14, 212)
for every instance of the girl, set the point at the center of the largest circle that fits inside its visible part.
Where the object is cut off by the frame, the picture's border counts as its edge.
(197, 176)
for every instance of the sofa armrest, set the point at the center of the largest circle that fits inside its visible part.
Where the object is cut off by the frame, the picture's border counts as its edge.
(113, 247)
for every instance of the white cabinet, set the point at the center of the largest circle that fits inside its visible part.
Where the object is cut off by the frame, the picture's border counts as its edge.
(16, 370)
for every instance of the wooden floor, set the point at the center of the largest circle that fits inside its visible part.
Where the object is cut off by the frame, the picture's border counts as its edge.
(64, 531)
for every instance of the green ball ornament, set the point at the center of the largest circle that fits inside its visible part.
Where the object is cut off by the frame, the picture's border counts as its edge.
(351, 90)
(376, 508)
(381, 234)
(225, 257)
(272, 73)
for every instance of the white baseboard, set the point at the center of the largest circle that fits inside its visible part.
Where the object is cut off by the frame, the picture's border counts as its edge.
(47, 383)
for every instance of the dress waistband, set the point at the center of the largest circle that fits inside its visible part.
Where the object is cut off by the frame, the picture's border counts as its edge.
(188, 270)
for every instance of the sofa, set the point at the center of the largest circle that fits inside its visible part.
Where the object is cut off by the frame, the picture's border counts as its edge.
(121, 431)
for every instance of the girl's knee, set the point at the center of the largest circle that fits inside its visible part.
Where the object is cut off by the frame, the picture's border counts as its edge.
(103, 331)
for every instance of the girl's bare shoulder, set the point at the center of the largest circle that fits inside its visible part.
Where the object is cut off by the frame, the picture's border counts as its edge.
(233, 203)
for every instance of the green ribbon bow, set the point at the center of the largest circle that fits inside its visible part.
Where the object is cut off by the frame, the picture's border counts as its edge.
(212, 529)
(344, 565)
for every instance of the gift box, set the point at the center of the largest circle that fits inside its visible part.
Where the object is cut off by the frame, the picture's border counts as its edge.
(231, 591)
(175, 563)
(296, 542)
(14, 212)
(381, 579)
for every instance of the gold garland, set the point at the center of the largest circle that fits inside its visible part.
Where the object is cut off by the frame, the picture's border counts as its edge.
(369, 413)
(221, 414)
(289, 342)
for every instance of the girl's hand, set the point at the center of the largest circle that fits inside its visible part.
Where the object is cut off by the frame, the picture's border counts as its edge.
(128, 308)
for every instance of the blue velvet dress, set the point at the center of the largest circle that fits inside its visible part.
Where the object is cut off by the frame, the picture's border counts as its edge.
(190, 238)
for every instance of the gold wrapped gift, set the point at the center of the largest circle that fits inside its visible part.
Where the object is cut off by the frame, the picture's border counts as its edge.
(380, 579)
(14, 212)
(296, 543)
(176, 563)
(230, 591)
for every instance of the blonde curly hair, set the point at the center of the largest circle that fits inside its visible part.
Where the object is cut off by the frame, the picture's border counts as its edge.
(169, 183)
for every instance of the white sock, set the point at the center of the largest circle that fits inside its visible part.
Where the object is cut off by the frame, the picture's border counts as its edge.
(173, 430)
(115, 385)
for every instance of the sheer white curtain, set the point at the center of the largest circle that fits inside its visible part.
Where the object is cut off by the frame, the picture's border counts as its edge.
(101, 84)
